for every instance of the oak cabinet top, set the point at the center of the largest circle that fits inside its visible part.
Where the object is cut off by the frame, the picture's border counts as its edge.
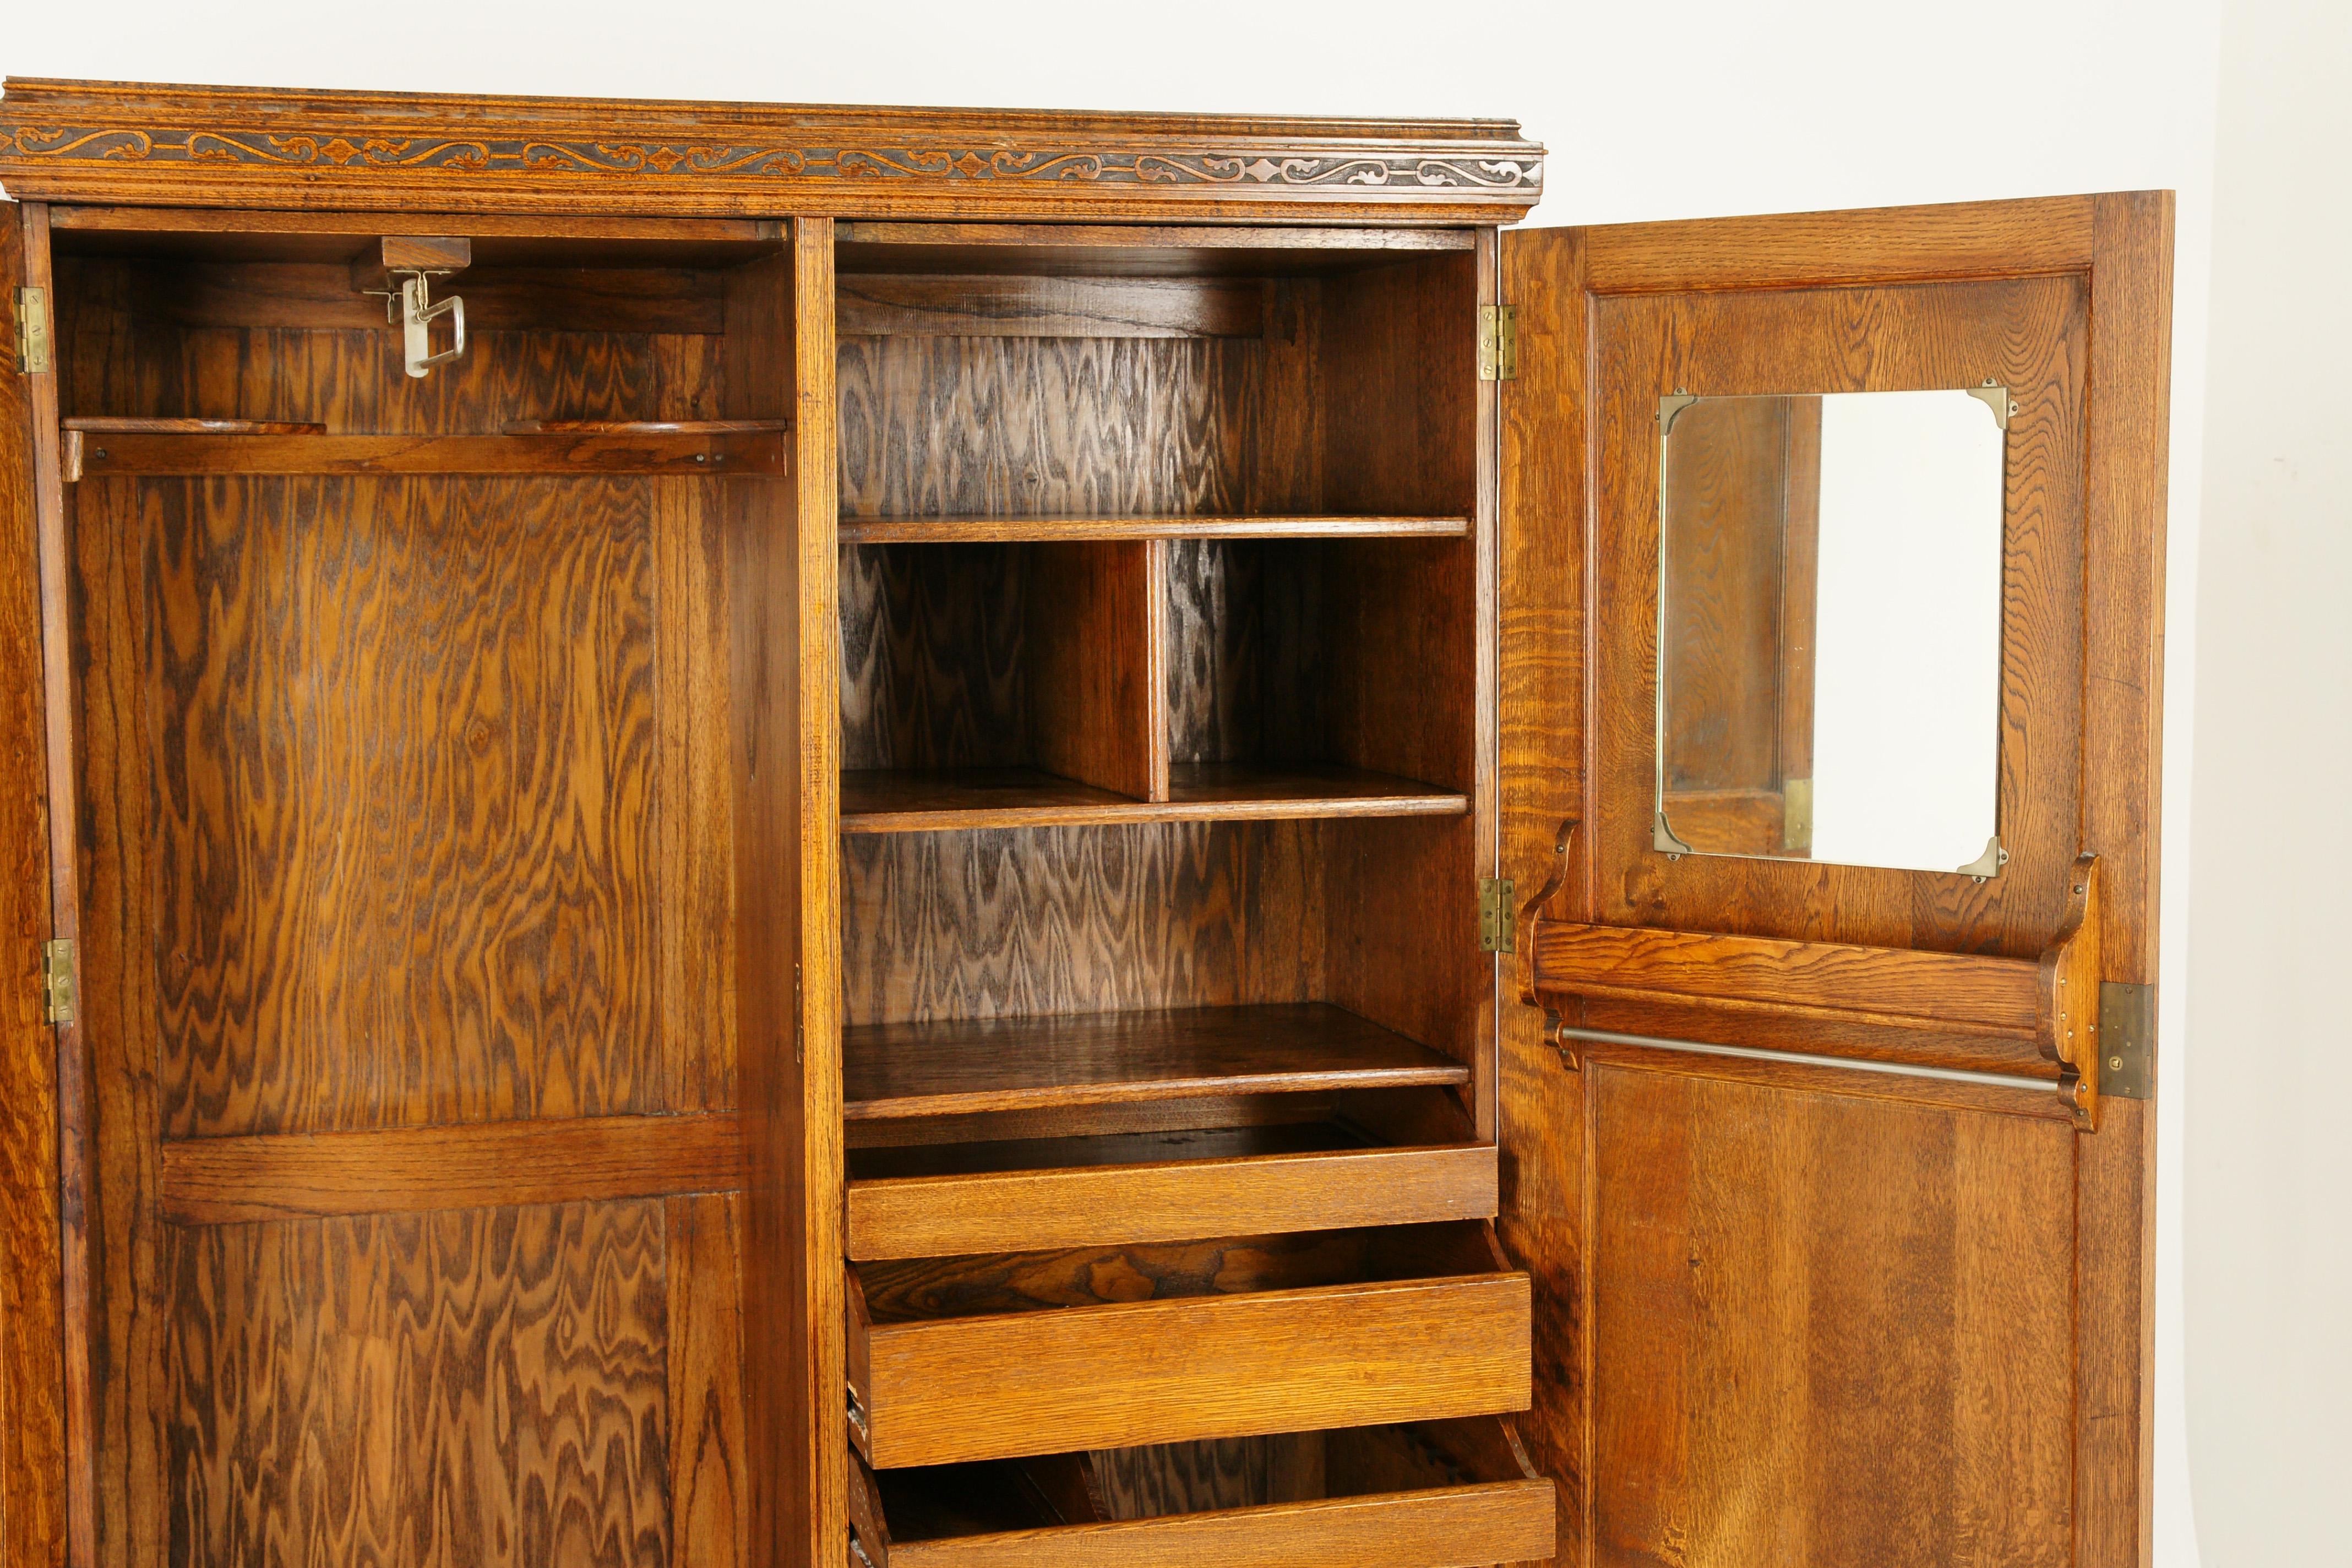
(142, 143)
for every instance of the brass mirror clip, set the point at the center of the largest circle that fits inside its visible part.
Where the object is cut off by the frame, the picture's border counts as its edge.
(1995, 397)
(1989, 863)
(1670, 409)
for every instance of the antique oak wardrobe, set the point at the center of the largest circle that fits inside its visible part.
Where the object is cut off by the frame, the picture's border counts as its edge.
(811, 836)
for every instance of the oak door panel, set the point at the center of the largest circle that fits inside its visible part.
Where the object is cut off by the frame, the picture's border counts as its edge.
(1783, 1315)
(1827, 1328)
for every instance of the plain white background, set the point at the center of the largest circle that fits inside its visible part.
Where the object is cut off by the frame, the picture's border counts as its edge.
(1712, 107)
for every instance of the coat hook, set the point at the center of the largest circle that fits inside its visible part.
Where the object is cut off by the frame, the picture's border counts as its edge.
(415, 310)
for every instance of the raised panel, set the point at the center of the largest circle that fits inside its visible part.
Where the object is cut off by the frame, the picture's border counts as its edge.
(482, 1388)
(1827, 1328)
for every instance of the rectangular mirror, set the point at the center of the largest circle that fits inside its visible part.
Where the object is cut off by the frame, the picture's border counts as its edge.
(1829, 615)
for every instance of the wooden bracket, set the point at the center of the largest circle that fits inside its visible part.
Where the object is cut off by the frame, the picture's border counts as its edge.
(2068, 1015)
(379, 268)
(1536, 908)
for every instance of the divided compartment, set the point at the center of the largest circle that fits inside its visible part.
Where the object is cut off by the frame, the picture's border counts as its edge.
(1141, 526)
(1330, 671)
(1437, 1494)
(1004, 1355)
(1009, 678)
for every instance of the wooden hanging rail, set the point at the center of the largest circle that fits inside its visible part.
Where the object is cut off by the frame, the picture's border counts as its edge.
(102, 448)
(1969, 1011)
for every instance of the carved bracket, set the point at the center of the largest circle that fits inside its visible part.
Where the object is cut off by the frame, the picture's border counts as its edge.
(2068, 1017)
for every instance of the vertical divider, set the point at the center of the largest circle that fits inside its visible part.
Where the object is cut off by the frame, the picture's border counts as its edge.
(784, 743)
(1093, 652)
(1156, 638)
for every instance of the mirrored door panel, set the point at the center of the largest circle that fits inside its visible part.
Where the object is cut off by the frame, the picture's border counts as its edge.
(1829, 614)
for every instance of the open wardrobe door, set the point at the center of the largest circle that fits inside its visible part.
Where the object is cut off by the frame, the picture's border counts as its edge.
(33, 1426)
(1832, 606)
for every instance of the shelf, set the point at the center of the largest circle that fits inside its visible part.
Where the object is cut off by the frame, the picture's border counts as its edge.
(955, 800)
(1302, 789)
(110, 425)
(1049, 530)
(891, 1071)
(101, 449)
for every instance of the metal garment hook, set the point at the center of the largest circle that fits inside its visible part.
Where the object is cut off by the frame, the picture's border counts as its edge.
(418, 311)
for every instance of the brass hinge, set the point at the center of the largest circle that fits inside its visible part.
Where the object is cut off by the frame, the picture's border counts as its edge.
(57, 980)
(1496, 930)
(2127, 1040)
(32, 330)
(1498, 342)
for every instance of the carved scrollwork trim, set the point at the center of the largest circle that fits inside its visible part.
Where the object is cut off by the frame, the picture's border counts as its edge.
(476, 156)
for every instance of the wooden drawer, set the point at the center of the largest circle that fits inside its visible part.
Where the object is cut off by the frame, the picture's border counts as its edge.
(1444, 1494)
(1007, 1354)
(1172, 1170)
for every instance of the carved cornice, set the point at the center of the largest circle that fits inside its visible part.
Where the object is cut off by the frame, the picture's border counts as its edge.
(126, 142)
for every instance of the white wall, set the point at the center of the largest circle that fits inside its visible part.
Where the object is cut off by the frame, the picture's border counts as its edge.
(1686, 109)
(2268, 1158)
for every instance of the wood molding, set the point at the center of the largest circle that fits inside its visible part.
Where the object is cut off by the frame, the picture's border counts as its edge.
(406, 1169)
(142, 143)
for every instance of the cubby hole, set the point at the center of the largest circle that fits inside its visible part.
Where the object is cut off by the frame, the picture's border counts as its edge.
(1320, 670)
(994, 676)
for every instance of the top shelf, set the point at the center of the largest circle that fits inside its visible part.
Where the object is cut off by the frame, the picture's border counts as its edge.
(1048, 529)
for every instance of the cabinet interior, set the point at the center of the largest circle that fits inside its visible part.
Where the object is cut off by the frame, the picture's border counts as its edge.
(408, 833)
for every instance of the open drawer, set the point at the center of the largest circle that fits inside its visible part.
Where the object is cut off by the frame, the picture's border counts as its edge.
(1169, 1171)
(1007, 1354)
(1019, 1134)
(1443, 1494)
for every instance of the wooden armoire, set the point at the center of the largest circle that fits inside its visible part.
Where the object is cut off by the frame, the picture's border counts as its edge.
(774, 836)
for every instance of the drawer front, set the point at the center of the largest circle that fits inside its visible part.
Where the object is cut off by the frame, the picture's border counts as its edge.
(1456, 1494)
(1460, 1527)
(941, 1392)
(927, 1217)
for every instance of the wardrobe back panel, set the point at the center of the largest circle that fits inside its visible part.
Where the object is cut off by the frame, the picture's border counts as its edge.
(1080, 920)
(949, 426)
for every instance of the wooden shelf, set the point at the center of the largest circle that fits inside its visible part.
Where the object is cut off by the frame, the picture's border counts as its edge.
(891, 1071)
(1302, 789)
(1047, 530)
(960, 799)
(110, 426)
(95, 453)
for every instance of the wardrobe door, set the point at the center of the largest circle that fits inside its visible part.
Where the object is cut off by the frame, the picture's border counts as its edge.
(1829, 786)
(32, 1389)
